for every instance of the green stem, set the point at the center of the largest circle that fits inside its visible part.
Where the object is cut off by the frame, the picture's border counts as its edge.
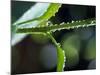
(52, 38)
(72, 25)
(60, 54)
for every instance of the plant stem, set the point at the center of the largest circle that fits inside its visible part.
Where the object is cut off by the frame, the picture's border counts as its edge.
(53, 28)
(60, 54)
(52, 38)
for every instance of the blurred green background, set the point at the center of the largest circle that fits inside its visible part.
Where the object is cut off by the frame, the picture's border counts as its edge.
(37, 54)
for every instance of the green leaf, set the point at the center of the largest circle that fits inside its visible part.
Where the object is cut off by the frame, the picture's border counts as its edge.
(51, 10)
(72, 25)
(39, 11)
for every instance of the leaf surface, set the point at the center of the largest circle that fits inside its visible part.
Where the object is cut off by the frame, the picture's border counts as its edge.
(37, 14)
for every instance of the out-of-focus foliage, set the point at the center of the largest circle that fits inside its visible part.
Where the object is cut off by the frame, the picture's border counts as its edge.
(71, 46)
(48, 56)
(90, 52)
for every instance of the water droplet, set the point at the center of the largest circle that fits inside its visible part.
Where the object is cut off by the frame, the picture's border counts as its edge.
(76, 21)
(84, 25)
(58, 29)
(63, 28)
(72, 21)
(76, 26)
(67, 22)
(62, 23)
(79, 21)
(63, 65)
(59, 44)
(64, 59)
(55, 25)
(53, 30)
(92, 22)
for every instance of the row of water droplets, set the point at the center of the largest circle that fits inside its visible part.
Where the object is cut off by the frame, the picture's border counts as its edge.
(59, 45)
(64, 25)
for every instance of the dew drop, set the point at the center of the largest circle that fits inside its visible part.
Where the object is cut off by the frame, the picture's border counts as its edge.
(63, 28)
(92, 22)
(84, 25)
(67, 22)
(53, 30)
(63, 65)
(59, 44)
(79, 21)
(72, 21)
(62, 23)
(76, 21)
(58, 29)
